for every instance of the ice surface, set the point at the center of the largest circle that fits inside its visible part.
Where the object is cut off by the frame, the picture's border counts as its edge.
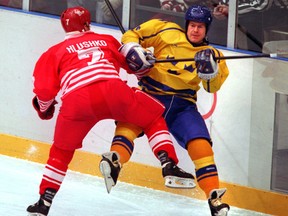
(85, 195)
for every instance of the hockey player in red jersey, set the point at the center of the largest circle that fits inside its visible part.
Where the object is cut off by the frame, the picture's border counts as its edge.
(84, 67)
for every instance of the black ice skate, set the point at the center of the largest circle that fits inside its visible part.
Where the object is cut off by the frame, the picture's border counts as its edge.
(41, 208)
(218, 208)
(173, 175)
(110, 168)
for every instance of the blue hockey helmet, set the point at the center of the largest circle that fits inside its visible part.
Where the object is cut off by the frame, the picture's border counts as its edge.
(198, 13)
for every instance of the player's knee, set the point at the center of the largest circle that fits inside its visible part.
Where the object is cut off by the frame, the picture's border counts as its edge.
(60, 156)
(127, 130)
(199, 148)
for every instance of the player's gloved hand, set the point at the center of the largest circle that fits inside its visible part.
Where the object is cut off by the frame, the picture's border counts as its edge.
(207, 67)
(45, 109)
(139, 60)
(151, 59)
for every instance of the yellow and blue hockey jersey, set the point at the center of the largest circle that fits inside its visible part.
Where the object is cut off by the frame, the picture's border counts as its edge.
(173, 78)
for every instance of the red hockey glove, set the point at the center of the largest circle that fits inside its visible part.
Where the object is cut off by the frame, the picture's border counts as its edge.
(207, 67)
(44, 109)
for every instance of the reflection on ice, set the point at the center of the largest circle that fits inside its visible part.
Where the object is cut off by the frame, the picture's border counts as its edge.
(86, 195)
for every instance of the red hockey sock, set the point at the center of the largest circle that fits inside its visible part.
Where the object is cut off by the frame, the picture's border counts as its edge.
(160, 140)
(55, 169)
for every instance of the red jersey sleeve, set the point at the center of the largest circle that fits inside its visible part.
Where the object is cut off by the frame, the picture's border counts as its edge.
(46, 76)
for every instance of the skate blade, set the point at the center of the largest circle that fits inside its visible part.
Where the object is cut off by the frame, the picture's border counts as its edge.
(35, 214)
(176, 182)
(106, 170)
(223, 212)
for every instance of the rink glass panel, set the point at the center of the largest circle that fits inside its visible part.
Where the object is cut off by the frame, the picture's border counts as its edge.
(253, 29)
(280, 145)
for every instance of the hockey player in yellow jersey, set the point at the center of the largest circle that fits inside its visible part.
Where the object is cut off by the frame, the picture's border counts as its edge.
(175, 84)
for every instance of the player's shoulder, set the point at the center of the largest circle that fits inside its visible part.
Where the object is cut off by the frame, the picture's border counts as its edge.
(163, 27)
(104, 36)
(108, 38)
(55, 47)
(163, 23)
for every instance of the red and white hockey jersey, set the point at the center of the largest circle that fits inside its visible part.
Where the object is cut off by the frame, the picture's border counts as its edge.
(79, 60)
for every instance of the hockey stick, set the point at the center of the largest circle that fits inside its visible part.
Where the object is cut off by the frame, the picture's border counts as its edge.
(115, 16)
(274, 55)
(279, 47)
(250, 36)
